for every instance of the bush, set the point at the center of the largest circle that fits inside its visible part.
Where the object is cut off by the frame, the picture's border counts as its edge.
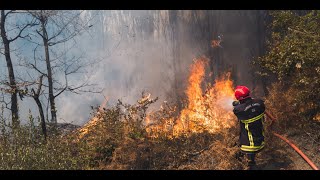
(293, 56)
(285, 106)
(122, 142)
(22, 151)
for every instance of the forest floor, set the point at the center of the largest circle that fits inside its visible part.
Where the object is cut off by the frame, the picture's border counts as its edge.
(307, 140)
(281, 156)
(217, 152)
(277, 154)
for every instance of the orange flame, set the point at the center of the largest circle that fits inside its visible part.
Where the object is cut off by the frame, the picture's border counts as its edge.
(93, 121)
(209, 111)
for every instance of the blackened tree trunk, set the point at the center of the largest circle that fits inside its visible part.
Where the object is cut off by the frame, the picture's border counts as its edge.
(12, 81)
(42, 119)
(36, 96)
(262, 23)
(175, 52)
(49, 70)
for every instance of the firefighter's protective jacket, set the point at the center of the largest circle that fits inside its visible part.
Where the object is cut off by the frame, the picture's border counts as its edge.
(250, 113)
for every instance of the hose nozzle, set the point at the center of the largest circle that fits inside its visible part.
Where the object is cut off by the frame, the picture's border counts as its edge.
(235, 103)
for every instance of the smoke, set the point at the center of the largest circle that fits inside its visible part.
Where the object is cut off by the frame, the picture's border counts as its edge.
(151, 51)
(136, 55)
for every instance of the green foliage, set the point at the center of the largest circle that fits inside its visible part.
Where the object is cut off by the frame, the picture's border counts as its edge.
(104, 136)
(25, 149)
(294, 56)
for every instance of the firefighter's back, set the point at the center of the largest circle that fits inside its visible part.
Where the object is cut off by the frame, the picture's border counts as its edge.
(250, 113)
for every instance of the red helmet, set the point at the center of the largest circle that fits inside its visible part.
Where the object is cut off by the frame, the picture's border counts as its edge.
(241, 92)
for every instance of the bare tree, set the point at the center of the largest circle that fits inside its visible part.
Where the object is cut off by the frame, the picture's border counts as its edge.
(6, 42)
(59, 27)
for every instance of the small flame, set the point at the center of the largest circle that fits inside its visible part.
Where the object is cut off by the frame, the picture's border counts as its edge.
(93, 121)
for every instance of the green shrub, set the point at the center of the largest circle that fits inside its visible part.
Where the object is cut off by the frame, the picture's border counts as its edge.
(294, 57)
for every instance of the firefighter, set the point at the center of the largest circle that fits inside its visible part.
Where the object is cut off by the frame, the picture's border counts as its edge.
(250, 113)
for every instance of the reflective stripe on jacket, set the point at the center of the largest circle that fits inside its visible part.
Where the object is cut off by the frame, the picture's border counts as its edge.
(250, 114)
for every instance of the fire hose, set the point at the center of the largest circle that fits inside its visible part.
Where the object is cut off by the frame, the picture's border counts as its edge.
(291, 144)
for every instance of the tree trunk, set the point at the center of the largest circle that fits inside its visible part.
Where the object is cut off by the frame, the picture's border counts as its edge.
(50, 81)
(262, 43)
(175, 53)
(12, 82)
(217, 56)
(36, 98)
(43, 122)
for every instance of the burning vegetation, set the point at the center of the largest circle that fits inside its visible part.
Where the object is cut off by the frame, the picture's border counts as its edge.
(201, 135)
(204, 111)
(201, 132)
(168, 138)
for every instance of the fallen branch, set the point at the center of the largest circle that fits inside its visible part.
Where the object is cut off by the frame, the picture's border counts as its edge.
(199, 152)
